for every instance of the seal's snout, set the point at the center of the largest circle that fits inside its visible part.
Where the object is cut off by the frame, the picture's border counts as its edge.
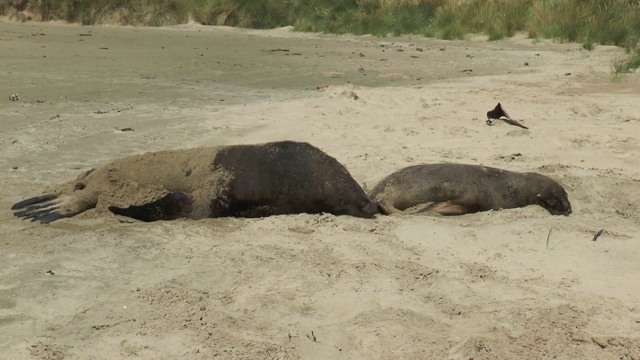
(566, 205)
(565, 210)
(371, 208)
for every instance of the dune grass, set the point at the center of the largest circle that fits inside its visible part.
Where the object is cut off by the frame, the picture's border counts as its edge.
(497, 19)
(590, 22)
(628, 65)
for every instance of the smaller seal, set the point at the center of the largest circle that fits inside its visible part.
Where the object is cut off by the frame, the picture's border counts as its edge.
(457, 189)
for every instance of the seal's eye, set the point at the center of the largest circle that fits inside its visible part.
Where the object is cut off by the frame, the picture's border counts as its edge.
(79, 186)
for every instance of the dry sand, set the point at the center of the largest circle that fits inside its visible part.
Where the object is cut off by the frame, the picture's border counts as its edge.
(492, 285)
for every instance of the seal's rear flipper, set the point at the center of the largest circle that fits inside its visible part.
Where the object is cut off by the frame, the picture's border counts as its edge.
(172, 206)
(43, 208)
(447, 208)
(32, 201)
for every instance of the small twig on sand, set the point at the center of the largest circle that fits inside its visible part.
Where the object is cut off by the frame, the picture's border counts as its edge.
(548, 236)
(597, 235)
(293, 336)
(312, 337)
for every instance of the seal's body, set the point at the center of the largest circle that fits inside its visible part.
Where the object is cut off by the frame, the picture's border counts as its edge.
(243, 180)
(456, 189)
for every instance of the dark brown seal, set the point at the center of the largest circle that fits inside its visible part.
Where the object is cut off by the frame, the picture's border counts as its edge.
(242, 181)
(456, 189)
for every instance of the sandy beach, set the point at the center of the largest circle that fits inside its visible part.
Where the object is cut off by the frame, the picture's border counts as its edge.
(510, 284)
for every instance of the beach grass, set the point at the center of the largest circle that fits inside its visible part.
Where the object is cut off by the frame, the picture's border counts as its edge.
(590, 22)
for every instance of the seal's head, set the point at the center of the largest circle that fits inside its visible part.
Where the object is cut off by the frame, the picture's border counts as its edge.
(555, 199)
(356, 203)
(371, 208)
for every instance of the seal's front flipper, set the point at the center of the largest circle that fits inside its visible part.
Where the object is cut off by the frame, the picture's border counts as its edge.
(172, 206)
(448, 208)
(386, 209)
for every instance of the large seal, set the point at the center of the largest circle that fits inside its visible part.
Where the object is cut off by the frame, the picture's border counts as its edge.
(456, 189)
(241, 181)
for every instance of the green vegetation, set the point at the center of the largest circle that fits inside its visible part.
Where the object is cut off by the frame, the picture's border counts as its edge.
(497, 19)
(611, 22)
(628, 65)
